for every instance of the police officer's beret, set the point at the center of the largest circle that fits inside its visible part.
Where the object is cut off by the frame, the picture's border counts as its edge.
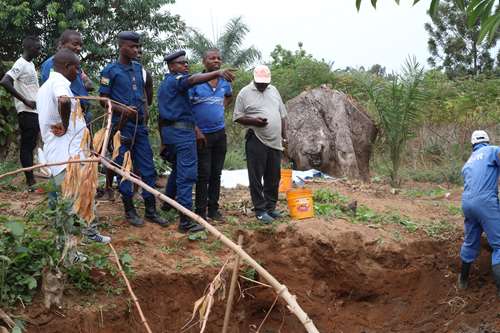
(129, 35)
(172, 56)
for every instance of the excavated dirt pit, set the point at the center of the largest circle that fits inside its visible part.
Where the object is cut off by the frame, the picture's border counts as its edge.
(347, 277)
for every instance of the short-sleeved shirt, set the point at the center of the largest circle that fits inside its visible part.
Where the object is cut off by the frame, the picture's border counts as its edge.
(208, 105)
(58, 149)
(124, 84)
(268, 104)
(77, 86)
(25, 82)
(480, 172)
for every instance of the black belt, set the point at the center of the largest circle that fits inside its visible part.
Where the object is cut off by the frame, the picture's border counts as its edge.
(176, 124)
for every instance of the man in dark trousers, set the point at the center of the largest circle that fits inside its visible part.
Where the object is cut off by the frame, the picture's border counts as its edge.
(123, 82)
(260, 109)
(21, 81)
(178, 130)
(208, 100)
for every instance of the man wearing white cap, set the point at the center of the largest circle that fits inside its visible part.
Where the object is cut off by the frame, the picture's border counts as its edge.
(260, 109)
(480, 206)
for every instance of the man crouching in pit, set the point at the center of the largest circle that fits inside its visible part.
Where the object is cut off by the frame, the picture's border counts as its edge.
(61, 128)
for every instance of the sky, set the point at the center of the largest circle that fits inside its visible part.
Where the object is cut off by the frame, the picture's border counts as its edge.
(329, 29)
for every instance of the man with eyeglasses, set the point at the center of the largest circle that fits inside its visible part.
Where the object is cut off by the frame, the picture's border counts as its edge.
(179, 132)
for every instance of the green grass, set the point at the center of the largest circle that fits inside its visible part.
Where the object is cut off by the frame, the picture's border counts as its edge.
(439, 228)
(235, 159)
(424, 193)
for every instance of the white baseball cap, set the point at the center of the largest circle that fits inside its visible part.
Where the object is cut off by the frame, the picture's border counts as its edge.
(262, 74)
(479, 136)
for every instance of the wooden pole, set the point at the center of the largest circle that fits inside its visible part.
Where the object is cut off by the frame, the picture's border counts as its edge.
(232, 287)
(280, 289)
(129, 287)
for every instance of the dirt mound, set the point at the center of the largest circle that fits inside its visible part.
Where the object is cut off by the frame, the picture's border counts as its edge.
(347, 277)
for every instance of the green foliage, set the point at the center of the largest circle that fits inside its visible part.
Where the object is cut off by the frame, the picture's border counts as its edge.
(397, 104)
(25, 250)
(483, 10)
(294, 72)
(453, 43)
(438, 229)
(229, 43)
(26, 247)
(8, 119)
(99, 21)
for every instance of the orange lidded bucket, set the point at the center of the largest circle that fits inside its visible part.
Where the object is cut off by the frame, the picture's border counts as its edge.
(300, 203)
(286, 180)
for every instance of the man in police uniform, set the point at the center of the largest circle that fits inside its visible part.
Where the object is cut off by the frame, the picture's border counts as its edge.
(178, 130)
(123, 82)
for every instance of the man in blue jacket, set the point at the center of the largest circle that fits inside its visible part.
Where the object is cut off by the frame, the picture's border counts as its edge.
(480, 206)
(178, 130)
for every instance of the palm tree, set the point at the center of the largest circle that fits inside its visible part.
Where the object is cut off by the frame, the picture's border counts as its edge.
(229, 43)
(397, 104)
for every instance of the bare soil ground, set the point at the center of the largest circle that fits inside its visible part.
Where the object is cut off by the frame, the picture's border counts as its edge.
(348, 277)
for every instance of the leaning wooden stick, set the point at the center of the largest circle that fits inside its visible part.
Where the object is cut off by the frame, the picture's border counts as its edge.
(38, 166)
(232, 287)
(129, 287)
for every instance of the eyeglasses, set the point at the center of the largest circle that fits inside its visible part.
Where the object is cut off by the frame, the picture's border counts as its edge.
(184, 62)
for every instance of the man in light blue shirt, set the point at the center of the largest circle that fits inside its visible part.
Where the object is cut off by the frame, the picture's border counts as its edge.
(480, 206)
(72, 40)
(208, 100)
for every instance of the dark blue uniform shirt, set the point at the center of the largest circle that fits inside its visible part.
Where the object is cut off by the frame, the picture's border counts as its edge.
(77, 86)
(173, 98)
(124, 84)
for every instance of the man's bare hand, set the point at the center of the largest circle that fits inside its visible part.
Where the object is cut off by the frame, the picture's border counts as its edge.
(227, 74)
(260, 122)
(201, 139)
(58, 129)
(30, 104)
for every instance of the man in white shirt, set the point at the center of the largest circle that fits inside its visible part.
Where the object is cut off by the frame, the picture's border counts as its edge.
(61, 130)
(21, 81)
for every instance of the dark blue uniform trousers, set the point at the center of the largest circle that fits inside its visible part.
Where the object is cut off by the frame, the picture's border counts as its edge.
(142, 157)
(482, 213)
(183, 157)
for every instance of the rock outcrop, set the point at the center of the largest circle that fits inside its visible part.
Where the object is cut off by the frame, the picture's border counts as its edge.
(329, 131)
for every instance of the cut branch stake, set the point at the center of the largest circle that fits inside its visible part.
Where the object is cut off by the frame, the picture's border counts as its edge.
(232, 287)
(129, 287)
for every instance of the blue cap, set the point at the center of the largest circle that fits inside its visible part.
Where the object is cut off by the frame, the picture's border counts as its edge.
(129, 35)
(172, 56)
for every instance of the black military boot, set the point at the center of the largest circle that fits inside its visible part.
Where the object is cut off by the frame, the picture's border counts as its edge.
(186, 225)
(150, 212)
(131, 214)
(496, 277)
(463, 277)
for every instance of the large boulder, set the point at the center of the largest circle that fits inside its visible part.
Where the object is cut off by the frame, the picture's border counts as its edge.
(329, 131)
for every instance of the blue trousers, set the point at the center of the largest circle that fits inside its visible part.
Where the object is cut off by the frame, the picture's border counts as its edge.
(142, 158)
(482, 213)
(182, 155)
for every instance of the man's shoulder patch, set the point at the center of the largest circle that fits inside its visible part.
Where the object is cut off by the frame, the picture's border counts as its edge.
(104, 81)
